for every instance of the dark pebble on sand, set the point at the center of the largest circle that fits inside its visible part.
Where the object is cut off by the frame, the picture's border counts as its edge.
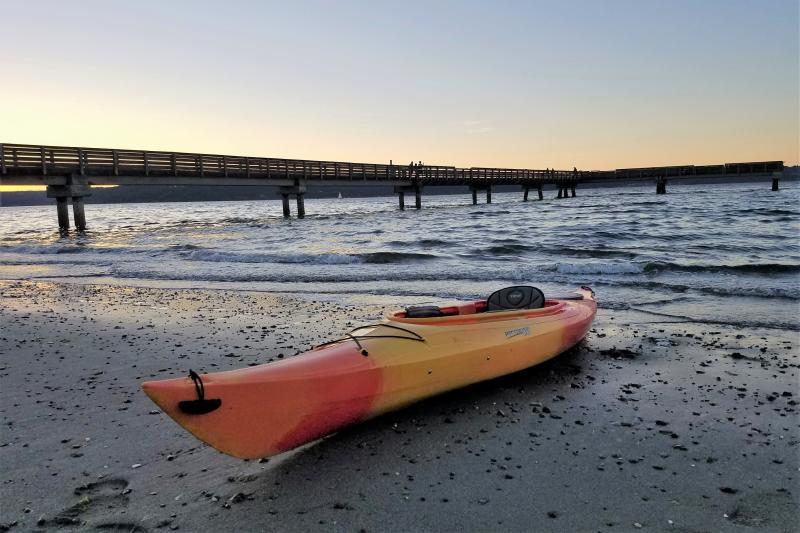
(238, 497)
(621, 353)
(728, 490)
(343, 506)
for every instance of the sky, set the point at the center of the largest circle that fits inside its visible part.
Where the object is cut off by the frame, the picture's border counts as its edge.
(533, 84)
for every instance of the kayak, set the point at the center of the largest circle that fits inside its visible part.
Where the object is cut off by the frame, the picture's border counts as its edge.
(412, 354)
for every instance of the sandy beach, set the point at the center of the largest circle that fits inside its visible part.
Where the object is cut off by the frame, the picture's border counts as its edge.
(646, 425)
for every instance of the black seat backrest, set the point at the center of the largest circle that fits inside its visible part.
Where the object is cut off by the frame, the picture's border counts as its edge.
(519, 297)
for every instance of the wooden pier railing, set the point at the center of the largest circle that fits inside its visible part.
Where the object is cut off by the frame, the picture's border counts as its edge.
(18, 159)
(22, 164)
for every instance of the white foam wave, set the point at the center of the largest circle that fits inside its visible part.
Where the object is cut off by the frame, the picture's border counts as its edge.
(600, 268)
(233, 257)
(42, 249)
(70, 249)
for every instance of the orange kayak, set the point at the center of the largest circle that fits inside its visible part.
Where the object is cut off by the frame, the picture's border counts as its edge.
(412, 354)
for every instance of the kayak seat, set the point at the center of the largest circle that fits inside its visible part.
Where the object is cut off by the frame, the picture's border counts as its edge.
(423, 311)
(517, 297)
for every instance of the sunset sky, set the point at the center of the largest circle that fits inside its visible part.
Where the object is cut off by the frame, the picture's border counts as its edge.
(592, 84)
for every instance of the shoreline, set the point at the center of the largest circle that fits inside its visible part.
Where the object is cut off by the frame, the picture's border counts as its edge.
(642, 423)
(348, 297)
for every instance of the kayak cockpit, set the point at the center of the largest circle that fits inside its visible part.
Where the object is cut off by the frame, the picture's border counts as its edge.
(462, 309)
(505, 304)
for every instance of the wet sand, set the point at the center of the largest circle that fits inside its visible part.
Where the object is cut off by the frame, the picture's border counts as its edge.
(646, 425)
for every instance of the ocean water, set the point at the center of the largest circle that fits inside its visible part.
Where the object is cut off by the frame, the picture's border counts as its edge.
(720, 254)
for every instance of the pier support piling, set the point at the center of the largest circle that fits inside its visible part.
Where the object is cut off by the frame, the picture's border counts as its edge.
(525, 195)
(63, 213)
(475, 189)
(286, 212)
(401, 191)
(541, 193)
(573, 191)
(298, 191)
(661, 185)
(560, 192)
(78, 213)
(76, 187)
(776, 177)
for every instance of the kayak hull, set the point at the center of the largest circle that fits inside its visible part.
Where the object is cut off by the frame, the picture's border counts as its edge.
(269, 409)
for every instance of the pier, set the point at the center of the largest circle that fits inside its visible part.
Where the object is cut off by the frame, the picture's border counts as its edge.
(69, 173)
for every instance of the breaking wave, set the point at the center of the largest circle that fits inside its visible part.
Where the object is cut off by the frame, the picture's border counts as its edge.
(311, 259)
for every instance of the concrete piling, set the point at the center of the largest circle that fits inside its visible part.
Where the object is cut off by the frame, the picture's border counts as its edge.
(573, 191)
(63, 213)
(298, 191)
(78, 213)
(776, 177)
(286, 212)
(525, 195)
(475, 189)
(401, 191)
(76, 187)
(541, 194)
(560, 192)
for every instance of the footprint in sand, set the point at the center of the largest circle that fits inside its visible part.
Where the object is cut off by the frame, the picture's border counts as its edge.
(765, 510)
(101, 507)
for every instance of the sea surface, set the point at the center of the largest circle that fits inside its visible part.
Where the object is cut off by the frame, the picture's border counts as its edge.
(719, 254)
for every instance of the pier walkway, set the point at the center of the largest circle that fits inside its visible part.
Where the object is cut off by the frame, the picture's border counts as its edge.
(69, 173)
